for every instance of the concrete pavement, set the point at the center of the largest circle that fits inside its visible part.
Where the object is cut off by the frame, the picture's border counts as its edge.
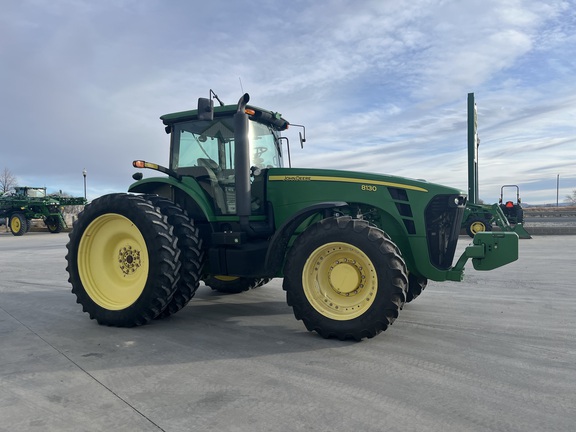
(494, 353)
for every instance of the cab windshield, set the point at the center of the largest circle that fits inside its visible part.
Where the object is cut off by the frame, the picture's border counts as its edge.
(211, 144)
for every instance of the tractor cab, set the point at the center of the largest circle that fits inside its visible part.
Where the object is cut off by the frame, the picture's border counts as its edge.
(32, 192)
(204, 147)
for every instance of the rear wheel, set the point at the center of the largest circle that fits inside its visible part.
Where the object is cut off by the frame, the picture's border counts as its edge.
(123, 260)
(345, 279)
(233, 284)
(191, 253)
(54, 224)
(18, 224)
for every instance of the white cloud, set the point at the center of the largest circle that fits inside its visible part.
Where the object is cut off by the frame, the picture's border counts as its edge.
(380, 86)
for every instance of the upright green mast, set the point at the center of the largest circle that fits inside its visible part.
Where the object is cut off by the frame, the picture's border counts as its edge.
(473, 143)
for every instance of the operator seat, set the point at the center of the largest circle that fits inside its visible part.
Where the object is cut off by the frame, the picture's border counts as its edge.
(211, 164)
(206, 177)
(215, 189)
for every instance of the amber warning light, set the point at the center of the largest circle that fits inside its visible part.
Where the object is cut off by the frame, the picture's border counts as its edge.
(144, 164)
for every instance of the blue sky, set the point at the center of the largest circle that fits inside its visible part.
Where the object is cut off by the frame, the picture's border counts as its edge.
(381, 86)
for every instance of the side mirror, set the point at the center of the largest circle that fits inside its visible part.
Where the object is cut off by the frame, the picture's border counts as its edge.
(302, 134)
(205, 109)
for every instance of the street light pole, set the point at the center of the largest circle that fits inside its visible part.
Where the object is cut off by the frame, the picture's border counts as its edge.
(84, 174)
(557, 188)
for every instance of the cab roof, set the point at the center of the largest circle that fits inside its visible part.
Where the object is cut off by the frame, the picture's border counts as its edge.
(261, 115)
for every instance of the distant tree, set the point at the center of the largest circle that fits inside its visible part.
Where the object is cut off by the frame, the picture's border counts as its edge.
(571, 198)
(7, 181)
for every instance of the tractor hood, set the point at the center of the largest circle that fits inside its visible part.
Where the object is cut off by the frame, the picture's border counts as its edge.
(368, 182)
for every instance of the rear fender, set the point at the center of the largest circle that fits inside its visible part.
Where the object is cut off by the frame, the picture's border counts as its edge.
(170, 187)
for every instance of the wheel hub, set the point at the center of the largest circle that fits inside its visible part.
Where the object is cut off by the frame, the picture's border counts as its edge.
(15, 224)
(345, 277)
(129, 260)
(478, 227)
(339, 281)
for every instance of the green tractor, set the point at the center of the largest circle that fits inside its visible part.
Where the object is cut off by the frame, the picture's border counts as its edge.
(352, 247)
(512, 210)
(508, 216)
(27, 203)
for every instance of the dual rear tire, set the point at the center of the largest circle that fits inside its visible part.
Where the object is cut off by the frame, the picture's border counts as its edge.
(125, 259)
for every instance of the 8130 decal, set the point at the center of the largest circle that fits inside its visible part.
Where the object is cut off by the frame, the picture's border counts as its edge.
(368, 188)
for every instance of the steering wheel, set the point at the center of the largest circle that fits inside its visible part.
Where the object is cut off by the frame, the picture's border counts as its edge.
(260, 150)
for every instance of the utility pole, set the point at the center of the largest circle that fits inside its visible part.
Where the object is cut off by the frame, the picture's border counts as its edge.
(557, 188)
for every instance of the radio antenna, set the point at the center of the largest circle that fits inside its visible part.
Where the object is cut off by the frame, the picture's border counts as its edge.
(241, 87)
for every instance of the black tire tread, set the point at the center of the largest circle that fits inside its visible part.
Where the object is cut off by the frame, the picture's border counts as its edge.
(416, 285)
(54, 225)
(191, 253)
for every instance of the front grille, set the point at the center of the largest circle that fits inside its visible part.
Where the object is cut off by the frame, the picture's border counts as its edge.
(443, 219)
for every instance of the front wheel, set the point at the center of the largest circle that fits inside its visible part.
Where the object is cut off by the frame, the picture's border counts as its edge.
(345, 279)
(477, 225)
(416, 285)
(123, 260)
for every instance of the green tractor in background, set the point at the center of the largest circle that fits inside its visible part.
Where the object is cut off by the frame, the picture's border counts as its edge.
(352, 247)
(508, 216)
(512, 210)
(27, 203)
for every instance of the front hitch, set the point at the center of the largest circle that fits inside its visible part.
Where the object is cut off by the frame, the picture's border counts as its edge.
(489, 250)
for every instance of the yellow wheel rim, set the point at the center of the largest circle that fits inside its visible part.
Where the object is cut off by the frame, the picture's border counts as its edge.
(339, 281)
(477, 227)
(15, 224)
(113, 261)
(226, 278)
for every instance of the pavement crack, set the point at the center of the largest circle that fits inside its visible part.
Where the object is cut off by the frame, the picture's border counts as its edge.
(86, 372)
